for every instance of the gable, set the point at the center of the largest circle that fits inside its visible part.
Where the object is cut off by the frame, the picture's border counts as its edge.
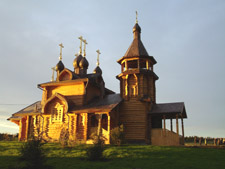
(67, 90)
(55, 102)
(66, 74)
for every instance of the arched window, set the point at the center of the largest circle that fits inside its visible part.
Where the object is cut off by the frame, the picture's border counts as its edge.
(57, 113)
(133, 91)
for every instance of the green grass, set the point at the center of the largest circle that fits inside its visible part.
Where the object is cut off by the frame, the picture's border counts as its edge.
(123, 157)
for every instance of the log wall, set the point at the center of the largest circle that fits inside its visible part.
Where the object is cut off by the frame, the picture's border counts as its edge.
(68, 90)
(133, 117)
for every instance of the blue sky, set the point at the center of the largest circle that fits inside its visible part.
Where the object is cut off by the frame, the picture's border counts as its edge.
(187, 38)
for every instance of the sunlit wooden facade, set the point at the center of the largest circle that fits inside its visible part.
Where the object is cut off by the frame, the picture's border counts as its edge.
(79, 103)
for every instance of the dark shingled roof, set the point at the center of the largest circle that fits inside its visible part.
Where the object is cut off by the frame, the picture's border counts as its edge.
(169, 110)
(106, 104)
(136, 49)
(34, 108)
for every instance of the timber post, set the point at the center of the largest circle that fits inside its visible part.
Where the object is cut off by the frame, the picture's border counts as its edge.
(147, 65)
(27, 128)
(108, 128)
(177, 124)
(171, 124)
(182, 124)
(126, 66)
(20, 130)
(164, 125)
(85, 126)
(99, 124)
(75, 127)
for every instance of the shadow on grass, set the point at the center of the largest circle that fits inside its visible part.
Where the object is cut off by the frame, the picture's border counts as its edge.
(126, 157)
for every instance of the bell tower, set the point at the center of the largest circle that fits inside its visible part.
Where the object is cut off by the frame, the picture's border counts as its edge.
(137, 88)
(137, 77)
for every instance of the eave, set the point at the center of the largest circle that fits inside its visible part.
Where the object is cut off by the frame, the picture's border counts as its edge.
(137, 57)
(63, 83)
(137, 71)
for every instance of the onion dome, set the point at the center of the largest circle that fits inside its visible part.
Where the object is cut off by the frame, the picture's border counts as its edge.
(77, 61)
(137, 28)
(84, 63)
(60, 66)
(98, 70)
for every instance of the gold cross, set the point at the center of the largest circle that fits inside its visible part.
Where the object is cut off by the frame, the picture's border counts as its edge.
(53, 73)
(85, 43)
(61, 46)
(136, 17)
(81, 39)
(98, 51)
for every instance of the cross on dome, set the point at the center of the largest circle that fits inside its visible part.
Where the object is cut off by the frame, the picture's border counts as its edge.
(60, 55)
(85, 43)
(81, 40)
(53, 74)
(136, 17)
(98, 51)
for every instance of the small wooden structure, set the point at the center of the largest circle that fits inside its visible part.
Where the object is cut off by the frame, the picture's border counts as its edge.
(80, 104)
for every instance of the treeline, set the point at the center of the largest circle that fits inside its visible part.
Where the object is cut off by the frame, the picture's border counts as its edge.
(204, 140)
(8, 137)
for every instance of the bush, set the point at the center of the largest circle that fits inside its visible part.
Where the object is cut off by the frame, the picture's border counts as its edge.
(8, 137)
(64, 138)
(95, 152)
(117, 135)
(33, 155)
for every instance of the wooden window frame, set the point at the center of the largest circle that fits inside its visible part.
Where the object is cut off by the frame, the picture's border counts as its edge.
(57, 113)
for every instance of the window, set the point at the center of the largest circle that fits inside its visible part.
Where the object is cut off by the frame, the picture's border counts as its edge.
(133, 90)
(57, 113)
(133, 64)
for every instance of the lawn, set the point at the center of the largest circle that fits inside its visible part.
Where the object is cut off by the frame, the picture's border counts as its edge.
(123, 157)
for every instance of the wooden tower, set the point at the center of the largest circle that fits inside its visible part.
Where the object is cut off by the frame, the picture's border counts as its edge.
(137, 88)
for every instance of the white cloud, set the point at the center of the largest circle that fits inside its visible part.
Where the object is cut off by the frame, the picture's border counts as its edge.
(9, 126)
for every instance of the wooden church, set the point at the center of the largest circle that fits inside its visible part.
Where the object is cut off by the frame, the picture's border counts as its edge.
(79, 102)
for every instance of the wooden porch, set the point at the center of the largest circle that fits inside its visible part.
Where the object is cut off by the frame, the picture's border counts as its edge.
(83, 126)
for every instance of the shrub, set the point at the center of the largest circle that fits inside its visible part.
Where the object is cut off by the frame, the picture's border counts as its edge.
(8, 137)
(117, 135)
(33, 155)
(64, 138)
(95, 152)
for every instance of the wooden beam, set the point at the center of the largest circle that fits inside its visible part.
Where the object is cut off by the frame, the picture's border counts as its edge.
(182, 124)
(126, 68)
(177, 124)
(164, 123)
(99, 124)
(20, 130)
(171, 124)
(108, 128)
(138, 63)
(85, 126)
(27, 128)
(147, 64)
(75, 127)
